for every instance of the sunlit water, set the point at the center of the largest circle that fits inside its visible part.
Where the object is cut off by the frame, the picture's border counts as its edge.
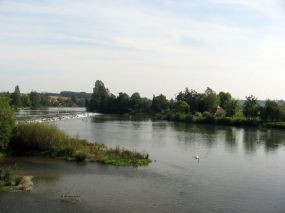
(240, 170)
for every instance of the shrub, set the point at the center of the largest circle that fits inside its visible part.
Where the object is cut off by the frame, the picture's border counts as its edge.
(8, 178)
(81, 156)
(209, 117)
(7, 122)
(36, 138)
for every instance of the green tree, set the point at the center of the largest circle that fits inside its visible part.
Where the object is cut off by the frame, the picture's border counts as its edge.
(229, 104)
(271, 111)
(224, 97)
(192, 98)
(250, 107)
(136, 102)
(35, 99)
(26, 102)
(146, 105)
(181, 106)
(210, 101)
(159, 103)
(99, 98)
(231, 107)
(7, 122)
(44, 100)
(123, 103)
(16, 97)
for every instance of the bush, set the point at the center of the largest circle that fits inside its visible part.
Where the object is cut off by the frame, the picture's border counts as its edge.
(8, 178)
(7, 122)
(45, 139)
(209, 118)
(80, 156)
(38, 137)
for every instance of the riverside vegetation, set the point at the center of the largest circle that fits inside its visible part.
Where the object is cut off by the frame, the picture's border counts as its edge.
(35, 100)
(190, 106)
(42, 139)
(47, 140)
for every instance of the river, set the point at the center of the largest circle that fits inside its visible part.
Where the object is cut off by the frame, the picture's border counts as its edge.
(239, 170)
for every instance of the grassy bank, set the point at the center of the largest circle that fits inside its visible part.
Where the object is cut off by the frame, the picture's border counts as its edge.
(8, 179)
(47, 140)
(208, 118)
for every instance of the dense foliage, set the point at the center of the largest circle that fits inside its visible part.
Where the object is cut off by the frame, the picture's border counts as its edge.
(189, 105)
(36, 100)
(105, 102)
(8, 178)
(7, 121)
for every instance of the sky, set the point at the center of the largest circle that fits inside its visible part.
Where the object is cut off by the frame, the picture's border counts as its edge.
(149, 46)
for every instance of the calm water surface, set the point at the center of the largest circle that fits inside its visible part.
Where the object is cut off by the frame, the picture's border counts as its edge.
(240, 170)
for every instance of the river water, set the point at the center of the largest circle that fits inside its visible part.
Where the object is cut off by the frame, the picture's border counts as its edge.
(240, 170)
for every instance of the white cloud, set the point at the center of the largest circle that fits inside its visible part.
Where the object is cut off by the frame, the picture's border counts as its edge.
(270, 8)
(118, 42)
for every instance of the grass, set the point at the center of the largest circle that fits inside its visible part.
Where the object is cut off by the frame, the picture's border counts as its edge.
(8, 179)
(47, 140)
(208, 118)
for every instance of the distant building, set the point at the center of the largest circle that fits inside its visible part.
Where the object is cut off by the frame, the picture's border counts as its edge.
(220, 112)
(55, 99)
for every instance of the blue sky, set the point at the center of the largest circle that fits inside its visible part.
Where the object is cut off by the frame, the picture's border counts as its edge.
(150, 46)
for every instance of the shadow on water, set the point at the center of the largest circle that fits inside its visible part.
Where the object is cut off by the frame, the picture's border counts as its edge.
(190, 133)
(106, 118)
(231, 135)
(270, 139)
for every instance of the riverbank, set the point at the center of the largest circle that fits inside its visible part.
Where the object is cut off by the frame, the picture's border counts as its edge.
(211, 119)
(11, 182)
(42, 139)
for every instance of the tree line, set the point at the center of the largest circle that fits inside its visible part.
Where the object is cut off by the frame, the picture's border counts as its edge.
(187, 102)
(36, 100)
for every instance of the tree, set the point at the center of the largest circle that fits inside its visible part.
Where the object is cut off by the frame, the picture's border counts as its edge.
(16, 97)
(192, 98)
(7, 122)
(271, 111)
(136, 102)
(44, 100)
(35, 99)
(181, 106)
(123, 103)
(229, 104)
(99, 98)
(146, 105)
(159, 103)
(225, 97)
(231, 107)
(210, 101)
(26, 102)
(250, 107)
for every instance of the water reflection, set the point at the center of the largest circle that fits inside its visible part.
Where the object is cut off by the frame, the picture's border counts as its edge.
(251, 140)
(231, 138)
(106, 118)
(190, 133)
(272, 139)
